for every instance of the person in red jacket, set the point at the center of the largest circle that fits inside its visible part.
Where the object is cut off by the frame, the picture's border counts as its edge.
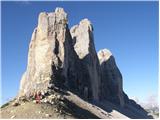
(38, 97)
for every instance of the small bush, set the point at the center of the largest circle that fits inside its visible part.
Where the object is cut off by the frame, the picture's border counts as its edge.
(4, 105)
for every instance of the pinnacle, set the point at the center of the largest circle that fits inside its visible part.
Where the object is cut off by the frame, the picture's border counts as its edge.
(104, 54)
(85, 20)
(59, 10)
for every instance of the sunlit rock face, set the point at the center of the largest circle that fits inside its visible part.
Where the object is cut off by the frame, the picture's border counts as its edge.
(112, 89)
(48, 53)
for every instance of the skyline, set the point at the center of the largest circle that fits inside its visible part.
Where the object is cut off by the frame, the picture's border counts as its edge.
(115, 28)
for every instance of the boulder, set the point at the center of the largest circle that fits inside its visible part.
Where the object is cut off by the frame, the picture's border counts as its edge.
(12, 117)
(15, 103)
(47, 115)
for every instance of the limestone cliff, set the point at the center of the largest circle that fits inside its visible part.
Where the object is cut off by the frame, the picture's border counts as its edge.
(48, 53)
(88, 68)
(112, 89)
(65, 58)
(58, 58)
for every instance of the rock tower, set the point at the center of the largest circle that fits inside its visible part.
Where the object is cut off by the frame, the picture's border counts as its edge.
(67, 59)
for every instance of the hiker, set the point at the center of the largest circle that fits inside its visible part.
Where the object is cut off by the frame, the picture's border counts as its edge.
(38, 97)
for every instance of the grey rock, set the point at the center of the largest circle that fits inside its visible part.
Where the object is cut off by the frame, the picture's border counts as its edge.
(13, 116)
(15, 103)
(58, 96)
(39, 112)
(34, 101)
(112, 89)
(48, 53)
(44, 100)
(59, 58)
(47, 115)
(88, 68)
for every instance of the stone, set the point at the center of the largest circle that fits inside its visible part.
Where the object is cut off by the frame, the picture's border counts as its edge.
(111, 78)
(48, 55)
(42, 93)
(60, 111)
(87, 64)
(52, 102)
(22, 99)
(81, 37)
(34, 101)
(47, 115)
(51, 86)
(44, 100)
(39, 112)
(58, 96)
(15, 103)
(23, 104)
(56, 110)
(13, 116)
(11, 111)
(61, 59)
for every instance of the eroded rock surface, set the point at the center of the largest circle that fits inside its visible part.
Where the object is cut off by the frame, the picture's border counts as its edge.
(112, 88)
(88, 68)
(58, 58)
(62, 58)
(48, 53)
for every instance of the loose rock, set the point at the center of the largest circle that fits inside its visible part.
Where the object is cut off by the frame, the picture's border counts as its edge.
(47, 115)
(15, 104)
(13, 116)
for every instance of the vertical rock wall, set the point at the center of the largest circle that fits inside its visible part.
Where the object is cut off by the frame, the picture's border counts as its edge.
(62, 57)
(112, 88)
(48, 53)
(89, 69)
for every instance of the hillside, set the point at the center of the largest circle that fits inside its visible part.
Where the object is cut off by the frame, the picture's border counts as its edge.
(66, 105)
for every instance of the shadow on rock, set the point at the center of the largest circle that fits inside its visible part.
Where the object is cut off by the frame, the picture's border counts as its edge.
(78, 112)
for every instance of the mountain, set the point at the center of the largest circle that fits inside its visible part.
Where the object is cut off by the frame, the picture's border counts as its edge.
(150, 104)
(66, 78)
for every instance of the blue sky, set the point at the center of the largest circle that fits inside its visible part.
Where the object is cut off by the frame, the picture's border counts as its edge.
(128, 29)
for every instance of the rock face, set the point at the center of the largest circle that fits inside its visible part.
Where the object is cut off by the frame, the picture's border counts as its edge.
(55, 59)
(60, 57)
(48, 53)
(112, 89)
(88, 68)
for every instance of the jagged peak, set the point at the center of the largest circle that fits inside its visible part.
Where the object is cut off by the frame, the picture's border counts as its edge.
(84, 22)
(104, 54)
(73, 29)
(59, 10)
(61, 15)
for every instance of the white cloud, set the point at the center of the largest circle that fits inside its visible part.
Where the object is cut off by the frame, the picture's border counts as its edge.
(152, 100)
(149, 102)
